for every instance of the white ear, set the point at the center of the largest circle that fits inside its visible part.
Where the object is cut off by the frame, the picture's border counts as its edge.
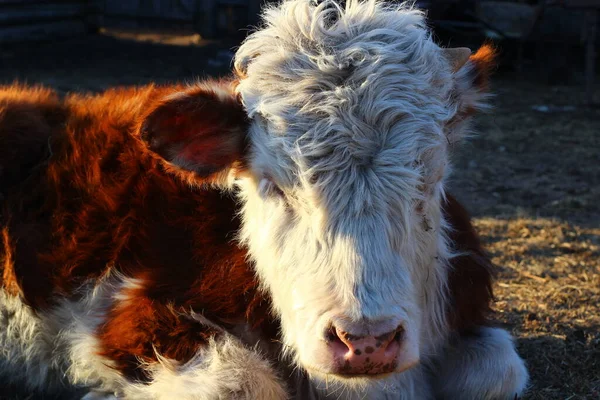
(457, 57)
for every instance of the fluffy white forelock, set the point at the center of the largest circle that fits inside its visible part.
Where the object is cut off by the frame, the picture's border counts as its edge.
(357, 94)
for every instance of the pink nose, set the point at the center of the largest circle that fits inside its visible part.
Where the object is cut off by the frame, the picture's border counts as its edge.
(360, 355)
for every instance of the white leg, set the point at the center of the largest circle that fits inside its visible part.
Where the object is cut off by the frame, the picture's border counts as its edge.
(484, 366)
(26, 348)
(221, 370)
(225, 369)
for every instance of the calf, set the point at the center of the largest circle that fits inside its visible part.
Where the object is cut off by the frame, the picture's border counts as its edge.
(281, 234)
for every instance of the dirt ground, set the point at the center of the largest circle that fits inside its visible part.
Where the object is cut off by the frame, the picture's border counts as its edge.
(530, 178)
(532, 181)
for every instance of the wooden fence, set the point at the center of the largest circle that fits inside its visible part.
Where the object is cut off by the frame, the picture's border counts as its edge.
(210, 18)
(22, 20)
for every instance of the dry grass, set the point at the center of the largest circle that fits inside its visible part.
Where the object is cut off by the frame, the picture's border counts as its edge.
(549, 294)
(532, 183)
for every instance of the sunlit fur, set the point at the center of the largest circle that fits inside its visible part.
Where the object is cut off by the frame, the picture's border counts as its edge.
(353, 108)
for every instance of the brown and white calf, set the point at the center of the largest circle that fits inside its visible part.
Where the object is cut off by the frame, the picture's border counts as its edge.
(285, 234)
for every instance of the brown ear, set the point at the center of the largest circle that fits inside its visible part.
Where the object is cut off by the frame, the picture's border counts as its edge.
(471, 91)
(483, 62)
(457, 57)
(202, 129)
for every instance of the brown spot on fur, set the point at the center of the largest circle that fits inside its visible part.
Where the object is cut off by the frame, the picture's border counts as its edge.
(138, 327)
(357, 352)
(29, 116)
(9, 278)
(369, 349)
(471, 275)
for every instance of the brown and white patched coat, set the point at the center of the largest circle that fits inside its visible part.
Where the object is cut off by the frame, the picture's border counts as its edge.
(284, 234)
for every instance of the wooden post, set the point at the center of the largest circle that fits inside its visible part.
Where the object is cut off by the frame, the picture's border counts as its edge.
(592, 8)
(209, 20)
(590, 62)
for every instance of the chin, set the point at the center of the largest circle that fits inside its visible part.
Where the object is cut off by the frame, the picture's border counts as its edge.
(356, 381)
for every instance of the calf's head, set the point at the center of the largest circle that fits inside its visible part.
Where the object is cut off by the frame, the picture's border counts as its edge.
(351, 112)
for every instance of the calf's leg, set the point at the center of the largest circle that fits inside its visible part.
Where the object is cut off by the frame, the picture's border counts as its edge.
(483, 365)
(118, 347)
(224, 369)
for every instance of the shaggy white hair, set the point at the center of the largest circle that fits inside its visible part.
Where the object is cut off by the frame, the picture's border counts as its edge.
(356, 90)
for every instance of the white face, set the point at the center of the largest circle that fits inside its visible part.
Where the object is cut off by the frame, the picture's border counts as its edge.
(342, 251)
(348, 150)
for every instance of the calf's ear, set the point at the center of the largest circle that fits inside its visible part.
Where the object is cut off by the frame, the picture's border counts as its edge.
(201, 129)
(471, 74)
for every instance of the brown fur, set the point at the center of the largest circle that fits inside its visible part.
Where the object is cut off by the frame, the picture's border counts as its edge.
(471, 275)
(484, 60)
(9, 278)
(103, 201)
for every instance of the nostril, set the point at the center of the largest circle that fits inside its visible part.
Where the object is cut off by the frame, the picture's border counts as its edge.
(331, 335)
(396, 340)
(399, 336)
(337, 342)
